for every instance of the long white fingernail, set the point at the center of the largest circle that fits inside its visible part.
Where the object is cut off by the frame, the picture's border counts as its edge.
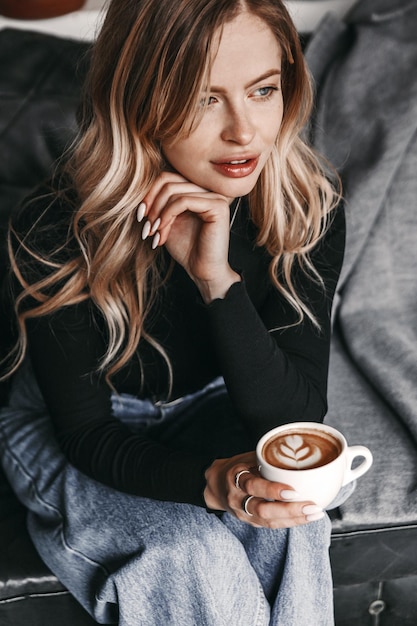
(155, 240)
(155, 226)
(141, 212)
(312, 509)
(290, 494)
(146, 229)
(315, 517)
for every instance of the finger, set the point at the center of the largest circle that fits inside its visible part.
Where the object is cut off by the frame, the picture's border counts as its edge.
(238, 476)
(242, 473)
(208, 207)
(160, 230)
(150, 212)
(163, 186)
(163, 179)
(160, 237)
(171, 192)
(294, 513)
(278, 514)
(260, 502)
(253, 483)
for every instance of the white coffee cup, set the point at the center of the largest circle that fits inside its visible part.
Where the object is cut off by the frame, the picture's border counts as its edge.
(312, 477)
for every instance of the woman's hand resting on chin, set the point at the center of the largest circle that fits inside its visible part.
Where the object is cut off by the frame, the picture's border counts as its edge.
(193, 224)
(235, 485)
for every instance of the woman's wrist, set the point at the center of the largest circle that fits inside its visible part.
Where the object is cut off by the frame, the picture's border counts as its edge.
(217, 288)
(212, 501)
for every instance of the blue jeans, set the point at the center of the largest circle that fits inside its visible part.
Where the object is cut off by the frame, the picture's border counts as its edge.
(140, 562)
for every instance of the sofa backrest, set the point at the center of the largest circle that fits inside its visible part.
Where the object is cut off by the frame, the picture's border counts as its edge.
(40, 85)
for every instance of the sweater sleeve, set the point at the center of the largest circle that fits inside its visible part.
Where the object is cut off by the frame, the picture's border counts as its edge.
(64, 351)
(277, 373)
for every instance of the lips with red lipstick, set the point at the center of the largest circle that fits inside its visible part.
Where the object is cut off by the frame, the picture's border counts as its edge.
(237, 167)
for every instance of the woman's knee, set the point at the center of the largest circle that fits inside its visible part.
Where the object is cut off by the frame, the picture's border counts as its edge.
(189, 571)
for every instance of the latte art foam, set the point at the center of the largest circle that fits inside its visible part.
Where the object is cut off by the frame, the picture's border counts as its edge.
(298, 450)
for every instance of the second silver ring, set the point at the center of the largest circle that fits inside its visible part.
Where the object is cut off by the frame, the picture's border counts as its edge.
(245, 503)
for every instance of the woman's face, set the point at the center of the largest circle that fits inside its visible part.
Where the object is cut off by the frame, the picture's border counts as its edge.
(226, 152)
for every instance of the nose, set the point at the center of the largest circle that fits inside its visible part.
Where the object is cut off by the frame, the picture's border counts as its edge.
(238, 126)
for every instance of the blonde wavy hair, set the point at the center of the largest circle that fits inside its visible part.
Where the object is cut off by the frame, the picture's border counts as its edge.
(149, 66)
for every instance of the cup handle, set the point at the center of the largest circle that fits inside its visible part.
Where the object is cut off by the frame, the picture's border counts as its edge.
(353, 452)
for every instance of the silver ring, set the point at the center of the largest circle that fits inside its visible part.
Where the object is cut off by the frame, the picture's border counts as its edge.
(238, 475)
(245, 503)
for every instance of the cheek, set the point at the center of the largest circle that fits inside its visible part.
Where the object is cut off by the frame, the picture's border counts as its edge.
(185, 160)
(278, 118)
(269, 124)
(172, 156)
(275, 132)
(182, 154)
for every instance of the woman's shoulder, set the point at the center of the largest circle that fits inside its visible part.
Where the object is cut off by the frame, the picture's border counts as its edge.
(334, 239)
(328, 255)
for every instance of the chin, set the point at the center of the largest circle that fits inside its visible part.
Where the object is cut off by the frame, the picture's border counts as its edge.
(238, 189)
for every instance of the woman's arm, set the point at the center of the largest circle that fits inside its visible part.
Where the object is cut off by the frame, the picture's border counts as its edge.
(64, 351)
(273, 376)
(279, 376)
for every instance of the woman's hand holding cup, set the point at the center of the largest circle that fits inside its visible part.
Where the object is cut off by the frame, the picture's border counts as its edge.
(235, 485)
(297, 471)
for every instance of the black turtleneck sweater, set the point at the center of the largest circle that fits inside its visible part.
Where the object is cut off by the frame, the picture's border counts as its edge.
(272, 376)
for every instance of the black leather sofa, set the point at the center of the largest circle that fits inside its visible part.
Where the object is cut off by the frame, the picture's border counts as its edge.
(375, 566)
(39, 91)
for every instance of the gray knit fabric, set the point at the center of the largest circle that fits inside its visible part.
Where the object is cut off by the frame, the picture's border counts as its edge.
(366, 123)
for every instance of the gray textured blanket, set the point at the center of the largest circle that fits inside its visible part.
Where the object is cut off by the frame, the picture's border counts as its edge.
(366, 123)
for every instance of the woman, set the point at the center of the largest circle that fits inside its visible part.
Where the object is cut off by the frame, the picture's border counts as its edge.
(173, 293)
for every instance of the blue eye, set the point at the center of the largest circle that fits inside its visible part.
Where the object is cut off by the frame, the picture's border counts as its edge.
(265, 92)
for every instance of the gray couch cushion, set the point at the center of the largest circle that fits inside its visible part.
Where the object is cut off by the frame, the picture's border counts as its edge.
(366, 124)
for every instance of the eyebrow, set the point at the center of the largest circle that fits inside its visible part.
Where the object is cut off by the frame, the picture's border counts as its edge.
(268, 74)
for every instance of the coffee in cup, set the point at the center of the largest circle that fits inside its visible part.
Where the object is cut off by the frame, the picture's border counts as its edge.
(312, 458)
(300, 449)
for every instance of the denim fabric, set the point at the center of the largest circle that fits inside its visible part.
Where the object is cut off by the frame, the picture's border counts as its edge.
(136, 561)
